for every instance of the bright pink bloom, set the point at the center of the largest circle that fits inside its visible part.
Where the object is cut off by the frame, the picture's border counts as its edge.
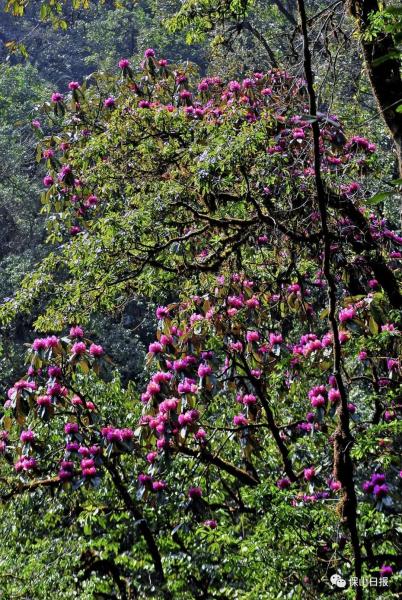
(78, 348)
(95, 350)
(309, 473)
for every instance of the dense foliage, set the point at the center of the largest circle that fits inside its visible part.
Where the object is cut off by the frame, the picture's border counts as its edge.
(254, 451)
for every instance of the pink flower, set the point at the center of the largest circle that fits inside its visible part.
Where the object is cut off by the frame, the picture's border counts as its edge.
(39, 344)
(275, 338)
(388, 327)
(92, 200)
(239, 420)
(76, 332)
(144, 104)
(44, 400)
(380, 491)
(151, 457)
(158, 486)
(124, 63)
(234, 86)
(56, 97)
(392, 364)
(109, 102)
(194, 492)
(78, 348)
(253, 302)
(334, 395)
(70, 428)
(347, 314)
(27, 436)
(200, 435)
(48, 180)
(318, 401)
(73, 85)
(25, 463)
(95, 350)
(309, 473)
(204, 370)
(252, 336)
(155, 348)
(162, 312)
(211, 523)
(386, 571)
(249, 399)
(283, 483)
(149, 52)
(236, 346)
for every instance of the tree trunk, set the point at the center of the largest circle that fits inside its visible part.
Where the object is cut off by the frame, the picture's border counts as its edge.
(384, 74)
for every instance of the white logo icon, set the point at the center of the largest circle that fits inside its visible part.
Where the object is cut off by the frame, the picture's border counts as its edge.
(337, 580)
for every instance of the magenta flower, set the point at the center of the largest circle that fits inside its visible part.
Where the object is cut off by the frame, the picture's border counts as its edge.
(234, 86)
(76, 332)
(386, 571)
(204, 370)
(252, 336)
(70, 428)
(201, 434)
(240, 420)
(155, 348)
(149, 52)
(65, 475)
(347, 314)
(194, 492)
(162, 312)
(78, 348)
(95, 350)
(334, 395)
(27, 436)
(124, 63)
(48, 180)
(318, 401)
(109, 102)
(380, 491)
(144, 479)
(73, 85)
(275, 338)
(158, 486)
(144, 104)
(211, 523)
(309, 473)
(56, 97)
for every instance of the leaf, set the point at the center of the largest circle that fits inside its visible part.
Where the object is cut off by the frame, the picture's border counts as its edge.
(7, 423)
(377, 198)
(373, 326)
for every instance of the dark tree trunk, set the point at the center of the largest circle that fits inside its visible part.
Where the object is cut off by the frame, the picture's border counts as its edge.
(384, 74)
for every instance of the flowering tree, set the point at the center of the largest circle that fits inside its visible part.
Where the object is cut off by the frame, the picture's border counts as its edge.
(274, 395)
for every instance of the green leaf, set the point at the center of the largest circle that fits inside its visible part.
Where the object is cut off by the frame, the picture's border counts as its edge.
(377, 198)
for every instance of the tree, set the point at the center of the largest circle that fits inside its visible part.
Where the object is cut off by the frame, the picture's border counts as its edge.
(274, 380)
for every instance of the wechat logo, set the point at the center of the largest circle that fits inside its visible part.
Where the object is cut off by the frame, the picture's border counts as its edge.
(338, 580)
